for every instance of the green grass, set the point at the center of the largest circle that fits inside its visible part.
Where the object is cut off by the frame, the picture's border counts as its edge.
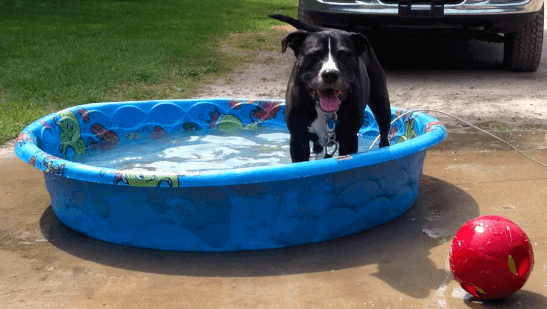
(59, 53)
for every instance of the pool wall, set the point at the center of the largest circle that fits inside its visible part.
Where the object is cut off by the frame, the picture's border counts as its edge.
(240, 217)
(241, 209)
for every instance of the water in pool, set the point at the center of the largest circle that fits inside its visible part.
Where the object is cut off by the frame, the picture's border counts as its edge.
(203, 150)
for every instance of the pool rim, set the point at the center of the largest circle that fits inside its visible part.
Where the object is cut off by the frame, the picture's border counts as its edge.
(247, 175)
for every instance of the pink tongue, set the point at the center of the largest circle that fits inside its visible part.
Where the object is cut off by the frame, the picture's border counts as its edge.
(329, 105)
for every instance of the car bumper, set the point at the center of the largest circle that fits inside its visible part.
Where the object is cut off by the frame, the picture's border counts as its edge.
(501, 16)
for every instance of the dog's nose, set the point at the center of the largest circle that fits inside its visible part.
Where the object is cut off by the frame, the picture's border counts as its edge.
(330, 76)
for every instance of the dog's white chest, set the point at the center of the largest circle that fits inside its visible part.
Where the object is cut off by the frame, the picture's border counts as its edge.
(319, 127)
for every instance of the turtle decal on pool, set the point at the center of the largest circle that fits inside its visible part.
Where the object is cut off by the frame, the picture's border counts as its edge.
(189, 126)
(410, 132)
(146, 180)
(70, 133)
(52, 168)
(232, 124)
(408, 125)
(228, 123)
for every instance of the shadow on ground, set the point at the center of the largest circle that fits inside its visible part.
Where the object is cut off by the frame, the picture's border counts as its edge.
(400, 248)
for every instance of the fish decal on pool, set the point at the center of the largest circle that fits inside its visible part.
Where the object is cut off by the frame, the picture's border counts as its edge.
(45, 125)
(70, 133)
(144, 180)
(235, 103)
(84, 114)
(32, 161)
(108, 140)
(158, 132)
(266, 110)
(215, 115)
(392, 133)
(398, 113)
(24, 138)
(432, 126)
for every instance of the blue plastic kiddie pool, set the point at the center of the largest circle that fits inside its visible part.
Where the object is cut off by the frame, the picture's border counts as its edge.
(220, 207)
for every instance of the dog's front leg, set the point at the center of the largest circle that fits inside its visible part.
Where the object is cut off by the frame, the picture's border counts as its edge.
(348, 144)
(297, 124)
(382, 116)
(379, 99)
(299, 148)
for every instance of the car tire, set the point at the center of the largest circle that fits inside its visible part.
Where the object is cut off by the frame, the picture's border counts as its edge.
(522, 50)
(303, 14)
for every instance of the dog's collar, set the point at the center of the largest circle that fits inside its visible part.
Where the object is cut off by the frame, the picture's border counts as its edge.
(332, 121)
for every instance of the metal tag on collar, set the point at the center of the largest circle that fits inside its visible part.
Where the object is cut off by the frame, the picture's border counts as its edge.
(331, 141)
(331, 121)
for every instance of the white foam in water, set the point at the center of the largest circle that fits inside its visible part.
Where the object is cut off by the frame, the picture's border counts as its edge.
(228, 140)
(200, 151)
(274, 137)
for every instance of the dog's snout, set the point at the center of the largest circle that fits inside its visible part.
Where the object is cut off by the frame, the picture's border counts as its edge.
(330, 76)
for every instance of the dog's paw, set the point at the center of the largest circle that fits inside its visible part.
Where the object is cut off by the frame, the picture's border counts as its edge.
(317, 155)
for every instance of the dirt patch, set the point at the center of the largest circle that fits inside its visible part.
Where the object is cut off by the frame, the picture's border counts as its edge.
(6, 150)
(262, 76)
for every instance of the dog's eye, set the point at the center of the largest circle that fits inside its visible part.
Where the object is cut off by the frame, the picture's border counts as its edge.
(317, 53)
(344, 54)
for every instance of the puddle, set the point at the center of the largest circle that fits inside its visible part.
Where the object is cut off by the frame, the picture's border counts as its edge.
(460, 293)
(440, 234)
(467, 138)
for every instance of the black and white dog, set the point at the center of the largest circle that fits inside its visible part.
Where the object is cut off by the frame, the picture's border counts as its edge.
(336, 74)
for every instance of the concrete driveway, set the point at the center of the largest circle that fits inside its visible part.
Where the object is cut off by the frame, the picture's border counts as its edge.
(402, 264)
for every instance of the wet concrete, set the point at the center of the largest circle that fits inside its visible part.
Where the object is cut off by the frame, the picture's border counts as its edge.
(402, 264)
(463, 137)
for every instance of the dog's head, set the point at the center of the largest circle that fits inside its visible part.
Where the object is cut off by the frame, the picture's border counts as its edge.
(327, 63)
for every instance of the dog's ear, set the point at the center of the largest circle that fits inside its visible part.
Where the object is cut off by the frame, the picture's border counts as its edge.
(294, 40)
(361, 43)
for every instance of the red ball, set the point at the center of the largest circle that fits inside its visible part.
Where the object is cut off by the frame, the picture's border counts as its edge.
(491, 257)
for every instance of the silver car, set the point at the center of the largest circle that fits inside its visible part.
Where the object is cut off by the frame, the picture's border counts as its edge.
(518, 24)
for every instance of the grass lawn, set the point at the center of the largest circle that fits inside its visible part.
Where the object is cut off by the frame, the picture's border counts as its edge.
(59, 53)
